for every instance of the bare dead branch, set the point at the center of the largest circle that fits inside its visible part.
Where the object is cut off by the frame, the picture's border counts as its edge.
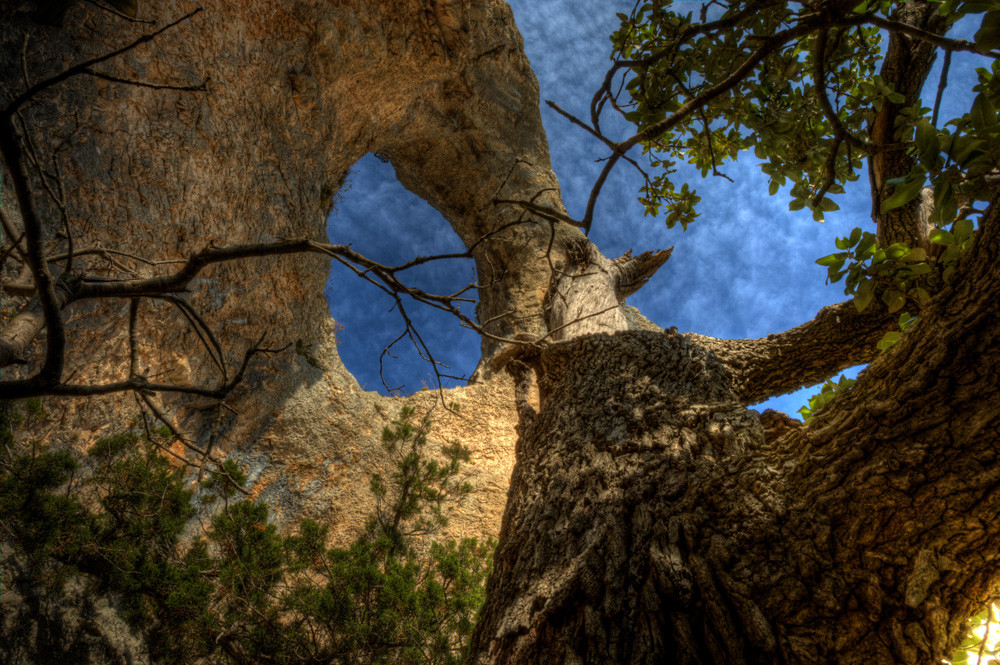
(85, 67)
(542, 211)
(942, 84)
(111, 10)
(201, 87)
(187, 443)
(946, 43)
(133, 343)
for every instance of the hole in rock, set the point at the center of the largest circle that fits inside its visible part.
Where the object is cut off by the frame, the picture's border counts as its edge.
(383, 221)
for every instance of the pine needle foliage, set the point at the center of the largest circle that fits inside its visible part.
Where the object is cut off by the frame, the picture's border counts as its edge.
(240, 592)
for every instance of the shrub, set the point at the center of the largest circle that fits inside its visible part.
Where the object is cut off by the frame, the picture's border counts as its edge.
(241, 592)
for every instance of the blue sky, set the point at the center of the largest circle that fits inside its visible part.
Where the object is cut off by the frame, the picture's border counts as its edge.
(744, 268)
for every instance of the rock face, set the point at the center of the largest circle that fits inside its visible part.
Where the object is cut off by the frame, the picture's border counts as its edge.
(295, 95)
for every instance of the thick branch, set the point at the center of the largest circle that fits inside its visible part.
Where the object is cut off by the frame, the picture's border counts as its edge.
(631, 273)
(49, 300)
(17, 336)
(904, 464)
(837, 338)
(905, 68)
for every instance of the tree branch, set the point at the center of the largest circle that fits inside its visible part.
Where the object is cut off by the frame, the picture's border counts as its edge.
(904, 464)
(85, 67)
(838, 337)
(21, 331)
(904, 68)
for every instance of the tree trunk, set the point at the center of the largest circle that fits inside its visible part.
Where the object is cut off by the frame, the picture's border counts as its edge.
(650, 521)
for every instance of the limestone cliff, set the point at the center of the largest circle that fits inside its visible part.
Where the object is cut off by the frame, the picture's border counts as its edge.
(295, 94)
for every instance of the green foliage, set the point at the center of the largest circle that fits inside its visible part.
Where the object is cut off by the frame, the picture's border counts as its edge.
(830, 391)
(422, 486)
(240, 591)
(35, 410)
(982, 641)
(896, 273)
(774, 108)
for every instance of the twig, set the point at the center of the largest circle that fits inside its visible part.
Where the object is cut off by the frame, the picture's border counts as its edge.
(112, 10)
(85, 67)
(942, 84)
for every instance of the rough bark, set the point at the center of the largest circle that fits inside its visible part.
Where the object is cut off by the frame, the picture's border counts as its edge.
(905, 68)
(838, 337)
(649, 520)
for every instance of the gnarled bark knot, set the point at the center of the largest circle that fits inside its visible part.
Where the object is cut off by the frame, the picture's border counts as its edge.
(591, 287)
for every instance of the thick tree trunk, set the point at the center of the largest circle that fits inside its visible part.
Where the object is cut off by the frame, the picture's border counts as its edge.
(649, 521)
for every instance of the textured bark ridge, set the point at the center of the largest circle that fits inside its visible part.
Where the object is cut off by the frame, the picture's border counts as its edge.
(618, 486)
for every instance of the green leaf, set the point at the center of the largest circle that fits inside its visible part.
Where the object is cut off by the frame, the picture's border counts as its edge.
(836, 259)
(962, 230)
(942, 237)
(966, 150)
(928, 144)
(855, 236)
(982, 113)
(897, 250)
(904, 193)
(945, 205)
(797, 204)
(905, 320)
(864, 295)
(988, 35)
(888, 340)
(894, 300)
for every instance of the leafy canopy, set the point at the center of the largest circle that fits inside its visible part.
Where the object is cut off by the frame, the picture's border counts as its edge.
(795, 83)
